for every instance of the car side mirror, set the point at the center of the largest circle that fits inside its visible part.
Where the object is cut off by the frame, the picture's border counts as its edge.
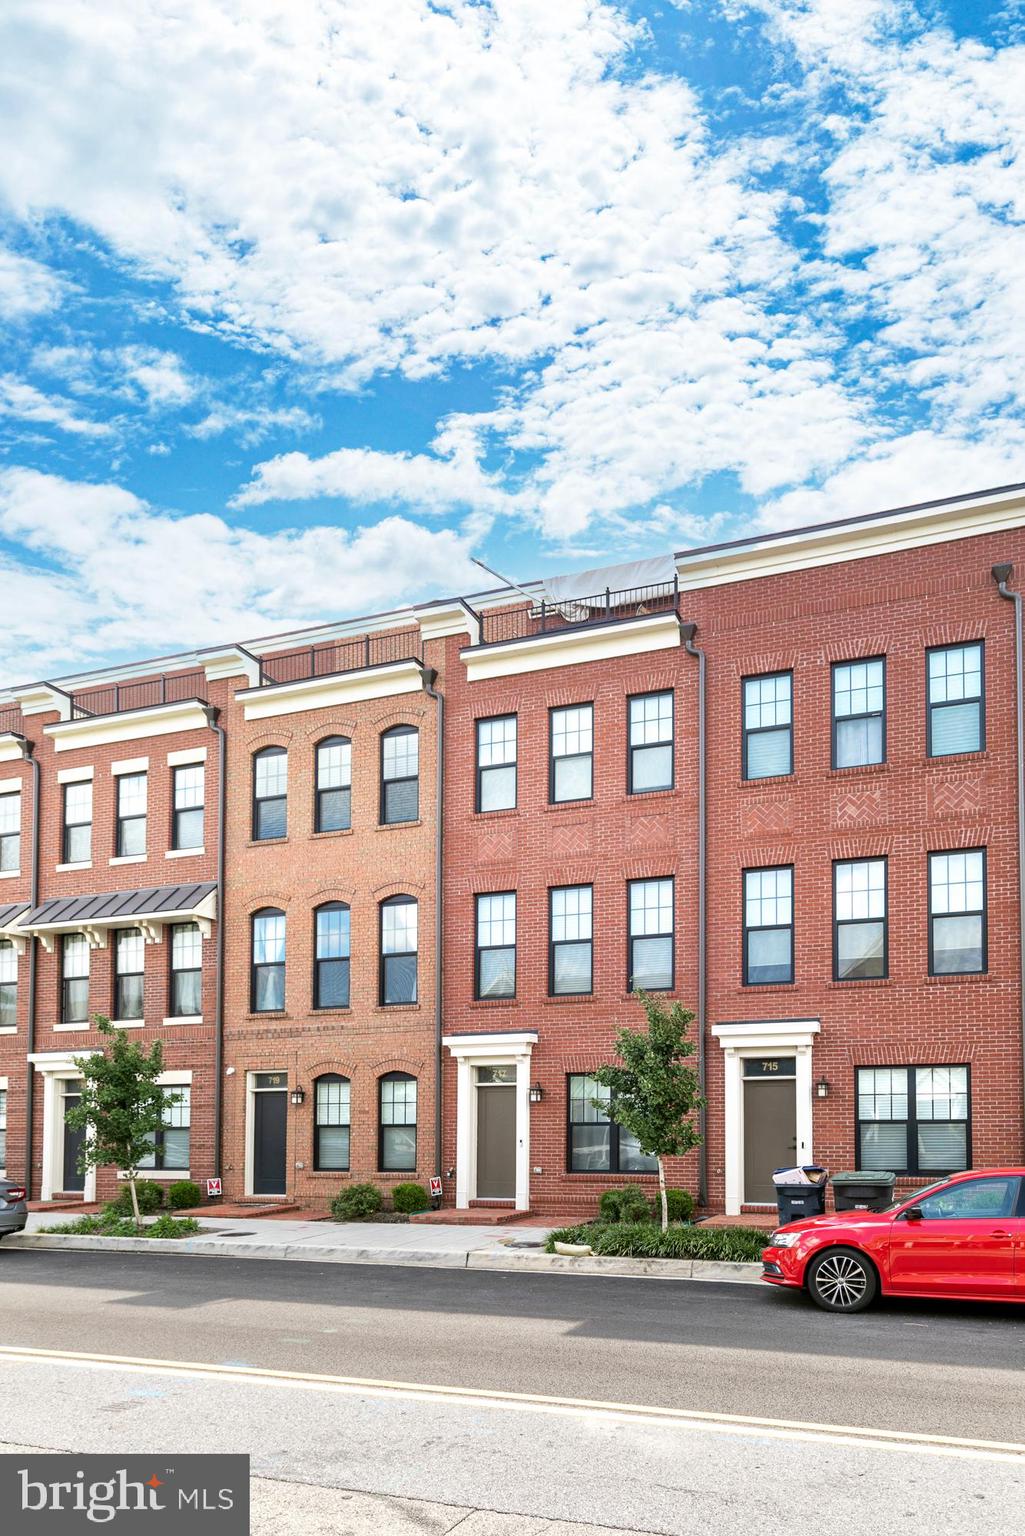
(914, 1213)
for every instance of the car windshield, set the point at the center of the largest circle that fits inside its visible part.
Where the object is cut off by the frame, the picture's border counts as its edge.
(920, 1194)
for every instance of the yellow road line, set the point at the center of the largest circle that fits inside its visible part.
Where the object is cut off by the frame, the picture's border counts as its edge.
(729, 1423)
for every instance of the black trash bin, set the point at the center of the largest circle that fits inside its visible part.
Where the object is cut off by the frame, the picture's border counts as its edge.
(806, 1196)
(866, 1190)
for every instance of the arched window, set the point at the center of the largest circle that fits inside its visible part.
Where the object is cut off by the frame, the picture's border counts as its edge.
(400, 774)
(397, 1129)
(333, 800)
(331, 955)
(331, 1123)
(398, 950)
(270, 793)
(267, 988)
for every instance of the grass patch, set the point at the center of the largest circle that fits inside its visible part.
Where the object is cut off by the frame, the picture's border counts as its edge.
(110, 1224)
(646, 1240)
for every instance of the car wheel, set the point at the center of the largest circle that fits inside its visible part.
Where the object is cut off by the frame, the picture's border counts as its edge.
(842, 1280)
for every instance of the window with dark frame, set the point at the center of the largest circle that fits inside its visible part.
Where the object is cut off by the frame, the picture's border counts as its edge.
(189, 793)
(270, 794)
(650, 742)
(651, 929)
(913, 1120)
(333, 792)
(8, 985)
(571, 754)
(74, 979)
(397, 1123)
(398, 982)
(171, 1142)
(768, 926)
(78, 823)
(332, 1123)
(400, 775)
(859, 713)
(860, 950)
(186, 971)
(268, 961)
(131, 814)
(570, 940)
(768, 738)
(129, 979)
(10, 832)
(596, 1144)
(957, 912)
(332, 939)
(495, 968)
(496, 763)
(955, 710)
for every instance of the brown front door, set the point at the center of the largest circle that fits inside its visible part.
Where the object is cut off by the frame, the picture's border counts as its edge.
(770, 1134)
(496, 1143)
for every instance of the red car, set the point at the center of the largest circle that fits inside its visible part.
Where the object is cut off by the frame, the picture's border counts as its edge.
(963, 1237)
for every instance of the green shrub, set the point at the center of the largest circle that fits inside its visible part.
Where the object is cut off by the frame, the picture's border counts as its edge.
(173, 1226)
(410, 1197)
(151, 1198)
(184, 1195)
(356, 1201)
(680, 1203)
(627, 1204)
(646, 1240)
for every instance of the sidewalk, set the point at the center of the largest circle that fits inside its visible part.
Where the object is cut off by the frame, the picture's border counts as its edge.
(509, 1248)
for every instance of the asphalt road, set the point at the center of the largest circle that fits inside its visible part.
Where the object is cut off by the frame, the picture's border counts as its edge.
(714, 1350)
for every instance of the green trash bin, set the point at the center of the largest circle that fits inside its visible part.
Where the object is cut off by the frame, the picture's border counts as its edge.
(864, 1190)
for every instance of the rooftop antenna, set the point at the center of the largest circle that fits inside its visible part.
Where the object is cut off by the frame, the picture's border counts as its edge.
(503, 579)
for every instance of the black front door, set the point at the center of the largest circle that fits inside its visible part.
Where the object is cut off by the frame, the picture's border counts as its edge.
(72, 1179)
(270, 1116)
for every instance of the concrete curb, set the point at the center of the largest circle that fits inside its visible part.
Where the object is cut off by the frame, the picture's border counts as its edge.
(508, 1260)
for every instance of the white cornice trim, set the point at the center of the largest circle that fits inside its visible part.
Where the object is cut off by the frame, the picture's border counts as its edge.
(761, 1034)
(519, 1042)
(448, 619)
(10, 747)
(570, 647)
(339, 688)
(41, 699)
(132, 725)
(229, 661)
(804, 549)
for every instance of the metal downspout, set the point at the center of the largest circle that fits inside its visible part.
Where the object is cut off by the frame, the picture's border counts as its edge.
(1002, 575)
(28, 754)
(212, 715)
(689, 631)
(439, 896)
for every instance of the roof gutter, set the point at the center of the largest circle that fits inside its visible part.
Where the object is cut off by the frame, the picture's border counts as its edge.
(439, 897)
(212, 715)
(688, 631)
(28, 754)
(1002, 575)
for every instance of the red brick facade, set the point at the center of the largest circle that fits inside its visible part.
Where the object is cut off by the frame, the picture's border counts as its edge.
(790, 614)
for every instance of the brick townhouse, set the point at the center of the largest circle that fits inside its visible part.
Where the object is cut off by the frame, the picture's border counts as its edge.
(777, 779)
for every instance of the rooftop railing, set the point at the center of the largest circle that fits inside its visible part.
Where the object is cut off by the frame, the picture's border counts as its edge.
(525, 621)
(113, 698)
(343, 656)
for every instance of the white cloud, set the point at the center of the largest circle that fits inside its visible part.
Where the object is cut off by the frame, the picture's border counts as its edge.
(106, 574)
(251, 424)
(24, 402)
(161, 376)
(26, 287)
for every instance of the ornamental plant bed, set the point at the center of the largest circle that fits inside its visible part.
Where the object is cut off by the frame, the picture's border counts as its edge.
(646, 1240)
(109, 1224)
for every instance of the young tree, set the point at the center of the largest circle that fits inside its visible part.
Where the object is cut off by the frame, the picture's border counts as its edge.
(122, 1104)
(654, 1092)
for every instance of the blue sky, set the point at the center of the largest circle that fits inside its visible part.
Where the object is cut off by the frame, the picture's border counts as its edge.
(304, 304)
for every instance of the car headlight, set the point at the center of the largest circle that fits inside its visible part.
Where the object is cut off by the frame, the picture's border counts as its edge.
(784, 1239)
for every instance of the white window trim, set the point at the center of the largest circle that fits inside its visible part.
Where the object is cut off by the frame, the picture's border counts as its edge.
(129, 858)
(74, 775)
(9, 874)
(184, 853)
(131, 765)
(186, 756)
(185, 1018)
(84, 864)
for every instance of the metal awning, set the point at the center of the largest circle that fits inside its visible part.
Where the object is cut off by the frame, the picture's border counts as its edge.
(149, 909)
(9, 915)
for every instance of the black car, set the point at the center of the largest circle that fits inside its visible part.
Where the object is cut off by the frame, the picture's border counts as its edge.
(13, 1210)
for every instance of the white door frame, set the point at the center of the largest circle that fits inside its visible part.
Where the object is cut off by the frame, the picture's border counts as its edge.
(759, 1037)
(57, 1068)
(494, 1050)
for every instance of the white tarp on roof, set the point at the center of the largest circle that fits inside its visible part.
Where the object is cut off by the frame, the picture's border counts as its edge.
(634, 573)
